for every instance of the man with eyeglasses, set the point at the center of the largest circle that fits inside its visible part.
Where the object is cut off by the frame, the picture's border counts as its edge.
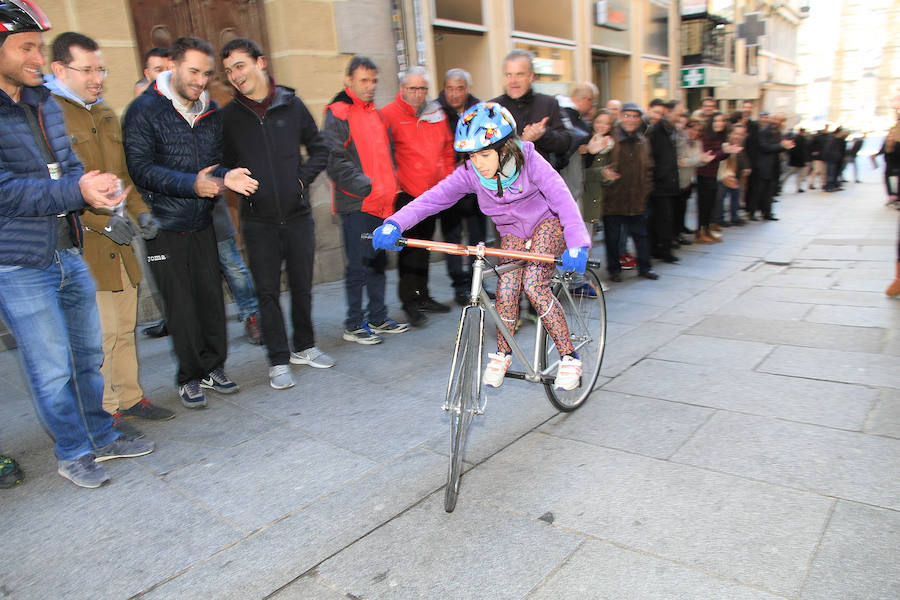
(47, 297)
(93, 128)
(423, 153)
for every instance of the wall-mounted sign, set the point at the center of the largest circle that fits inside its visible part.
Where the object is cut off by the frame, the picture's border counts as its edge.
(698, 77)
(612, 14)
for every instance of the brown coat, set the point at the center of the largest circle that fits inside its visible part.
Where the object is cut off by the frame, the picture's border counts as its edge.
(96, 138)
(631, 159)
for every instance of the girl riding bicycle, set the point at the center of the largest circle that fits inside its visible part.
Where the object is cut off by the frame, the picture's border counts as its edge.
(533, 210)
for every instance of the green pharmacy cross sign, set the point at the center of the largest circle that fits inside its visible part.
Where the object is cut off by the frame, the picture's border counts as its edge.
(692, 77)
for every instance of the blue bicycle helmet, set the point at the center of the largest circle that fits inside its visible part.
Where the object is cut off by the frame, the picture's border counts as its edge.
(483, 126)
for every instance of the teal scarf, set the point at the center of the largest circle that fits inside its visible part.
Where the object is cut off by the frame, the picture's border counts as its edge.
(505, 178)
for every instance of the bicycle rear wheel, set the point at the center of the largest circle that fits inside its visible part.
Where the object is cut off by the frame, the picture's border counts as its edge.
(463, 394)
(585, 310)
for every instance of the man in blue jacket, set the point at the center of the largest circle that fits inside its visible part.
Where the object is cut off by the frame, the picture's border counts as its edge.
(173, 147)
(47, 295)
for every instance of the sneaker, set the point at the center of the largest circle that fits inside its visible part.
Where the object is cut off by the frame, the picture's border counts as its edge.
(568, 374)
(651, 274)
(627, 261)
(251, 329)
(280, 377)
(83, 471)
(11, 474)
(191, 395)
(124, 448)
(429, 304)
(144, 410)
(496, 369)
(218, 381)
(126, 430)
(585, 291)
(312, 357)
(362, 335)
(389, 326)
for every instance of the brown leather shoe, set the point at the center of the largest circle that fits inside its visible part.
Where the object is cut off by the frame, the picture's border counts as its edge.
(894, 288)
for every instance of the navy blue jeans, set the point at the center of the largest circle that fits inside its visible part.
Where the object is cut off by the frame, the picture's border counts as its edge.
(235, 272)
(53, 314)
(636, 227)
(731, 197)
(365, 270)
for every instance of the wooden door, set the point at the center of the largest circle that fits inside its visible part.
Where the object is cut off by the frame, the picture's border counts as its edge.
(216, 21)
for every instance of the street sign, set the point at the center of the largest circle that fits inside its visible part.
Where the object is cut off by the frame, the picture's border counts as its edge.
(704, 76)
(693, 77)
(751, 29)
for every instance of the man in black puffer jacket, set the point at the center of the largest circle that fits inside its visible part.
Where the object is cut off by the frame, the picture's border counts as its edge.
(264, 127)
(173, 147)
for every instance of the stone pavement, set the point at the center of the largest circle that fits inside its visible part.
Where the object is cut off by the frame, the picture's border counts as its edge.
(744, 443)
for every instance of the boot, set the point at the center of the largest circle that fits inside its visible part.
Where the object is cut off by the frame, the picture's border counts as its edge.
(702, 237)
(894, 288)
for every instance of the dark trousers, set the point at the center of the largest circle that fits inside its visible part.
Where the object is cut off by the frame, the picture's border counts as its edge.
(364, 270)
(185, 266)
(660, 224)
(412, 263)
(760, 196)
(636, 227)
(452, 219)
(832, 172)
(679, 210)
(267, 246)
(707, 193)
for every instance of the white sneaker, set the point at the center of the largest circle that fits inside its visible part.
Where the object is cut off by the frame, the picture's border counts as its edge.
(496, 369)
(568, 374)
(312, 357)
(280, 377)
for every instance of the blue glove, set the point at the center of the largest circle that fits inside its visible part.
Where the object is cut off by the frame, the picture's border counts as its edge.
(386, 236)
(575, 259)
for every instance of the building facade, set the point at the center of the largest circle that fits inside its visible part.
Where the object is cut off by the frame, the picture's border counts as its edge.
(735, 50)
(628, 48)
(850, 78)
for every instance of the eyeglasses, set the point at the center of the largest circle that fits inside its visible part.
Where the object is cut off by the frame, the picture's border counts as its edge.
(418, 90)
(101, 71)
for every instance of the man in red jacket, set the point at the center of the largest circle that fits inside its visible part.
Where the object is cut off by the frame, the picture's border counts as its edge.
(363, 190)
(423, 153)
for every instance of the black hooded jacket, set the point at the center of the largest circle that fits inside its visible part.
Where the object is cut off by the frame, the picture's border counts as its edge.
(270, 149)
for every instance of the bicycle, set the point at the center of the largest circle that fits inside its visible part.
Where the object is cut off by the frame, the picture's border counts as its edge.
(585, 310)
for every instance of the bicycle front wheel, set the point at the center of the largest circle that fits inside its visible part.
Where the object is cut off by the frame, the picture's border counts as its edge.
(585, 310)
(463, 394)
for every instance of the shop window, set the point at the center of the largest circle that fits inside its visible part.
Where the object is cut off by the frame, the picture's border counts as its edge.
(467, 11)
(656, 30)
(656, 80)
(544, 17)
(553, 71)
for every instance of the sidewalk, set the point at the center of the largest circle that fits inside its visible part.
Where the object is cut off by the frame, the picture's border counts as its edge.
(744, 445)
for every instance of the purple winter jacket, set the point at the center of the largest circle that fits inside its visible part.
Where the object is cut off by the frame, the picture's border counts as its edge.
(539, 193)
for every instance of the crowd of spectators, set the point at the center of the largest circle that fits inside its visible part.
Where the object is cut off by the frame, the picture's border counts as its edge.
(77, 188)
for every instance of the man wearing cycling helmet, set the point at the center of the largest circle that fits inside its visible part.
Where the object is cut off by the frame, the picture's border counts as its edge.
(533, 210)
(47, 296)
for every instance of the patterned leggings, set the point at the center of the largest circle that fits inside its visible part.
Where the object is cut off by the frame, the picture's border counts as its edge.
(534, 277)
